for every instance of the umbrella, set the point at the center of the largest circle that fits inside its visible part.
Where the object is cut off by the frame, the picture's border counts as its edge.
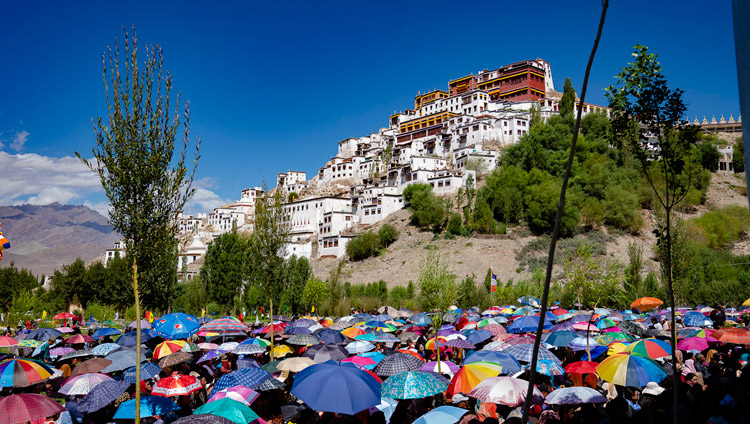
(412, 385)
(352, 332)
(503, 390)
(362, 362)
(303, 340)
(583, 343)
(646, 303)
(76, 354)
(150, 406)
(225, 325)
(442, 415)
(359, 346)
(167, 348)
(83, 383)
(733, 335)
(333, 387)
(144, 324)
(324, 352)
(176, 326)
(129, 339)
(213, 354)
(79, 339)
(105, 349)
(176, 385)
(64, 315)
(102, 332)
(203, 419)
(651, 348)
(121, 360)
(695, 319)
(279, 351)
(296, 330)
(690, 343)
(446, 367)
(397, 363)
(296, 364)
(585, 326)
(630, 370)
(581, 367)
(23, 372)
(92, 365)
(248, 377)
(472, 374)
(270, 384)
(102, 395)
(523, 353)
(230, 409)
(331, 336)
(632, 327)
(6, 341)
(479, 336)
(60, 351)
(27, 407)
(574, 396)
(174, 359)
(149, 370)
(460, 343)
(228, 346)
(208, 346)
(43, 334)
(561, 338)
(239, 393)
(547, 367)
(509, 363)
(527, 324)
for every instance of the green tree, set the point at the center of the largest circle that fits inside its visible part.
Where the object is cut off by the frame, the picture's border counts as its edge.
(454, 225)
(592, 281)
(225, 268)
(14, 281)
(145, 185)
(643, 95)
(738, 156)
(190, 296)
(70, 284)
(541, 205)
(428, 210)
(295, 274)
(437, 288)
(568, 101)
(709, 156)
(315, 291)
(363, 246)
(118, 292)
(387, 235)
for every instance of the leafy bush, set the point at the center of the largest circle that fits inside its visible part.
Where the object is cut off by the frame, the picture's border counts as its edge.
(720, 227)
(428, 210)
(387, 234)
(454, 225)
(363, 246)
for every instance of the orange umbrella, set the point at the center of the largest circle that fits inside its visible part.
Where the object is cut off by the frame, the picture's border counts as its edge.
(472, 374)
(352, 332)
(646, 303)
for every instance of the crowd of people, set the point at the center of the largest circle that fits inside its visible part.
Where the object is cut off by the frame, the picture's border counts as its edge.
(464, 354)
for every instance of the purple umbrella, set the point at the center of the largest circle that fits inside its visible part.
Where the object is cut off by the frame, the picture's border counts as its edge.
(211, 354)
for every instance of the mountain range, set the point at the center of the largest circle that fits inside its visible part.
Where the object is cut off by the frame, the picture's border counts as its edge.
(45, 237)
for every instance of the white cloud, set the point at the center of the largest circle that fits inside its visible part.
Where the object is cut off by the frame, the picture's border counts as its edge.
(32, 178)
(19, 140)
(101, 207)
(204, 201)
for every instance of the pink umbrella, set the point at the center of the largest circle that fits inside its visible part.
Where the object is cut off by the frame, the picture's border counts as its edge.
(208, 346)
(690, 343)
(79, 338)
(65, 329)
(585, 326)
(239, 393)
(360, 361)
(505, 391)
(612, 329)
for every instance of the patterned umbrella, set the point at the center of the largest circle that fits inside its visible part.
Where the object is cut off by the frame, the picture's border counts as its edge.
(248, 377)
(246, 348)
(574, 396)
(174, 359)
(105, 349)
(76, 354)
(242, 394)
(149, 370)
(92, 365)
(176, 385)
(208, 346)
(176, 326)
(150, 406)
(102, 395)
(27, 407)
(547, 367)
(203, 419)
(82, 384)
(412, 385)
(446, 367)
(325, 352)
(359, 346)
(630, 370)
(507, 391)
(733, 335)
(191, 348)
(523, 353)
(60, 351)
(472, 374)
(230, 409)
(269, 384)
(650, 348)
(23, 372)
(122, 360)
(333, 387)
(213, 354)
(280, 351)
(296, 364)
(397, 363)
(167, 348)
(460, 343)
(303, 340)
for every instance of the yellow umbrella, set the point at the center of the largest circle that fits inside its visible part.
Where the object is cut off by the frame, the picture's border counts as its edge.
(280, 351)
(472, 374)
(167, 348)
(296, 364)
(616, 348)
(746, 303)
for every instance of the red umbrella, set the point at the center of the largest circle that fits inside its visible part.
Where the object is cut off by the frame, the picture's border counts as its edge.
(64, 315)
(27, 407)
(581, 367)
(79, 338)
(277, 328)
(6, 341)
(176, 385)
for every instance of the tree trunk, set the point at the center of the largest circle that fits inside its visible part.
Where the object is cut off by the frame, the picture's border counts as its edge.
(137, 345)
(673, 330)
(271, 315)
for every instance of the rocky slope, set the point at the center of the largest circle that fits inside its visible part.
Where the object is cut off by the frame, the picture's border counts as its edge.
(44, 237)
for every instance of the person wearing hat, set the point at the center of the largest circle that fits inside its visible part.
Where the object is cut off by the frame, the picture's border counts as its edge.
(649, 395)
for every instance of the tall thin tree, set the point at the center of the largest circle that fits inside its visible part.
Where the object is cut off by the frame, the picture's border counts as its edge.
(133, 157)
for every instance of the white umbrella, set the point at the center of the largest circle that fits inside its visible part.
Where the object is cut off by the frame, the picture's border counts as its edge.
(503, 390)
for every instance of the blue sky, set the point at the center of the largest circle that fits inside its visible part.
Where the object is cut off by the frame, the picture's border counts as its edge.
(274, 85)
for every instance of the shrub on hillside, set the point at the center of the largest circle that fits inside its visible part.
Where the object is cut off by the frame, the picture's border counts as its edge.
(427, 210)
(363, 246)
(454, 225)
(387, 234)
(721, 227)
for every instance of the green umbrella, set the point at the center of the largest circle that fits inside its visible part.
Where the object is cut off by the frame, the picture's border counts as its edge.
(229, 409)
(270, 367)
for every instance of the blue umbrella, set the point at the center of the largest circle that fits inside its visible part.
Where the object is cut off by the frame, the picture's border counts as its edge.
(121, 360)
(333, 387)
(243, 362)
(412, 385)
(105, 349)
(150, 406)
(303, 322)
(529, 301)
(178, 325)
(523, 352)
(362, 317)
(442, 415)
(248, 377)
(421, 319)
(43, 334)
(479, 336)
(129, 338)
(149, 370)
(296, 330)
(696, 319)
(376, 356)
(574, 396)
(561, 338)
(382, 318)
(527, 324)
(102, 332)
(102, 395)
(509, 363)
(331, 336)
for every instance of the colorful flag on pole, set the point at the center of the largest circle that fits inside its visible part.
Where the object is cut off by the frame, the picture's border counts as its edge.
(494, 281)
(44, 314)
(203, 313)
(149, 316)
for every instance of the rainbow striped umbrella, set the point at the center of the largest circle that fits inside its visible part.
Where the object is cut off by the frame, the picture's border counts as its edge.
(167, 348)
(616, 348)
(650, 348)
(472, 374)
(630, 370)
(352, 332)
(230, 325)
(430, 345)
(23, 372)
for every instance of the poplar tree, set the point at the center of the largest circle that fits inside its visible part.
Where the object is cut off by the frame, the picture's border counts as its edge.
(568, 101)
(133, 157)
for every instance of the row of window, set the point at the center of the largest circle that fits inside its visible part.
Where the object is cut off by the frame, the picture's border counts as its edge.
(330, 243)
